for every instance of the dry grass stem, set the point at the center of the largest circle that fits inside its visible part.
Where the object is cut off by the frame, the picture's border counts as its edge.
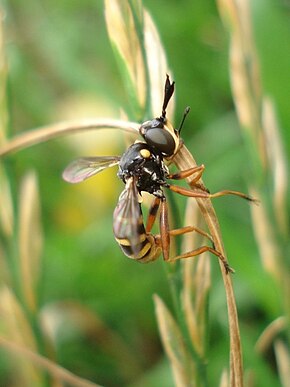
(196, 284)
(245, 79)
(30, 239)
(277, 164)
(265, 237)
(258, 120)
(125, 40)
(184, 160)
(262, 133)
(224, 382)
(15, 324)
(158, 67)
(56, 371)
(16, 328)
(5, 275)
(6, 205)
(270, 333)
(174, 346)
(6, 209)
(3, 83)
(139, 52)
(53, 131)
(283, 362)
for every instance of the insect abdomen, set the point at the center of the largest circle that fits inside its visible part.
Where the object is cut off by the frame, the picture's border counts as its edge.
(142, 250)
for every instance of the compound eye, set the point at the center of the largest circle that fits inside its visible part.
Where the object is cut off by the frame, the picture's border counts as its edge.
(156, 123)
(161, 140)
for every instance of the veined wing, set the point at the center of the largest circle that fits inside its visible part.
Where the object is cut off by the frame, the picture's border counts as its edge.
(81, 169)
(127, 222)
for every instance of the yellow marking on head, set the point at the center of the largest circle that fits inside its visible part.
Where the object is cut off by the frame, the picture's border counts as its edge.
(168, 126)
(145, 153)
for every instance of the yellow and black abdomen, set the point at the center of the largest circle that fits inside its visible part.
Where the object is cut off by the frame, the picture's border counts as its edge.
(130, 233)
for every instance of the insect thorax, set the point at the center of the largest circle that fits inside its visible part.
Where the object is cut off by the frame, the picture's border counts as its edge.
(140, 162)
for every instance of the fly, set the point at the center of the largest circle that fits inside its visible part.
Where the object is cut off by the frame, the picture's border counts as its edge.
(142, 168)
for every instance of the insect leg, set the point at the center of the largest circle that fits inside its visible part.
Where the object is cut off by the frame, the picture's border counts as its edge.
(188, 172)
(236, 193)
(201, 250)
(152, 214)
(192, 253)
(187, 229)
(164, 229)
(194, 194)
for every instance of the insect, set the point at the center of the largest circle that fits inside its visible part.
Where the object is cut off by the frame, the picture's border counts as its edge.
(142, 168)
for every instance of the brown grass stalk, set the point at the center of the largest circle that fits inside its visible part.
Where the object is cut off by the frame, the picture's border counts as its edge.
(30, 239)
(53, 131)
(270, 334)
(3, 82)
(16, 327)
(173, 341)
(283, 362)
(184, 160)
(196, 283)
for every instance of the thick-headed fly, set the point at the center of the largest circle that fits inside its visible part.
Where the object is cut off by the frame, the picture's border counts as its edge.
(142, 169)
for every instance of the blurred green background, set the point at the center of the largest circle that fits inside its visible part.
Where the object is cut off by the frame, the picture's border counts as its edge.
(61, 66)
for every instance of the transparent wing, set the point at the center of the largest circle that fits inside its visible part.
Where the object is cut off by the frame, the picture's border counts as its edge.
(81, 169)
(128, 216)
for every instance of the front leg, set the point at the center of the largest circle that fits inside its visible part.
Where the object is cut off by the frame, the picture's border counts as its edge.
(188, 172)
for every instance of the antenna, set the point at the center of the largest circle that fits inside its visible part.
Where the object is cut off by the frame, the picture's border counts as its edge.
(168, 91)
(186, 111)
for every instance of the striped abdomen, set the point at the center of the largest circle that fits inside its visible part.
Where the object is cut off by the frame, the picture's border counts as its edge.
(132, 238)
